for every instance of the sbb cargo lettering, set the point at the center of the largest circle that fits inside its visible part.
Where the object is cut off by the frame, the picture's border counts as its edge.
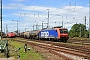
(45, 34)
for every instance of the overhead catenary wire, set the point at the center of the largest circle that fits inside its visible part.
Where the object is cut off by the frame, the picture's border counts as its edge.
(74, 5)
(38, 14)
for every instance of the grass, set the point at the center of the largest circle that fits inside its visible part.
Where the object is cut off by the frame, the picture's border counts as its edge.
(29, 55)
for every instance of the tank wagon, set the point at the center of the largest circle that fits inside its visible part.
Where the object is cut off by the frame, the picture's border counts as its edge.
(56, 34)
(26, 34)
(10, 35)
(34, 34)
(31, 34)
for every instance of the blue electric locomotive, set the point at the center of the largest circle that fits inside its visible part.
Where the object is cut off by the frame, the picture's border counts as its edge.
(57, 34)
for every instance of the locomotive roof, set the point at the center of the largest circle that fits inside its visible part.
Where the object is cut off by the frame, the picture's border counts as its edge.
(57, 27)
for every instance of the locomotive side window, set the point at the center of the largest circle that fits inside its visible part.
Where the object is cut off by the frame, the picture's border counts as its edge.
(64, 31)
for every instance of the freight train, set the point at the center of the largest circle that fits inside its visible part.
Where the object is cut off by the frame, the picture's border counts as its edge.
(56, 34)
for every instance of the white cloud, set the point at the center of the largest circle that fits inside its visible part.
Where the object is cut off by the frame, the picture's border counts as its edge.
(19, 0)
(13, 6)
(70, 14)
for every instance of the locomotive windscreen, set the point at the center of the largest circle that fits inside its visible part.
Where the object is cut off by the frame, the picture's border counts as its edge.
(63, 31)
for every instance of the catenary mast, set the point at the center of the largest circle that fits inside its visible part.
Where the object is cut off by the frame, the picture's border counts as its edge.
(89, 18)
(1, 18)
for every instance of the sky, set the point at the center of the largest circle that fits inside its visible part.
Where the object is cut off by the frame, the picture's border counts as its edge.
(29, 13)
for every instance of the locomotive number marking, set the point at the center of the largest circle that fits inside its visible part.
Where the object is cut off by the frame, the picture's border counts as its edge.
(45, 34)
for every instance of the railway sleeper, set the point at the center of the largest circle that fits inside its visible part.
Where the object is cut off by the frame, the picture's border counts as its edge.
(66, 51)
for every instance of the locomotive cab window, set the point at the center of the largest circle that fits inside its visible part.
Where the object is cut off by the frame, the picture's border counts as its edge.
(56, 30)
(64, 31)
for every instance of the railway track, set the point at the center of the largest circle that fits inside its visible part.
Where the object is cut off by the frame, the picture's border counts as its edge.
(56, 49)
(79, 41)
(81, 52)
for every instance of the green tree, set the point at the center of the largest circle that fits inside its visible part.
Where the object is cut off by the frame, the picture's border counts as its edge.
(78, 30)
